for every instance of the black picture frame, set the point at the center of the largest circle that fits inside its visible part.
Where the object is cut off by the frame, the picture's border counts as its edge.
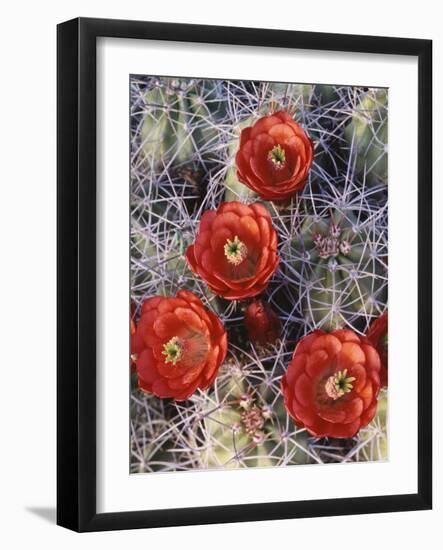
(76, 266)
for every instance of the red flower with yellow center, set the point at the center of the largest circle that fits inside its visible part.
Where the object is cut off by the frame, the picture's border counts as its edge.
(332, 383)
(378, 336)
(274, 157)
(262, 323)
(235, 251)
(178, 346)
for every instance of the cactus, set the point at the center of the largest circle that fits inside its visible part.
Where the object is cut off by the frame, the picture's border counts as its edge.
(247, 428)
(367, 132)
(188, 167)
(180, 122)
(341, 268)
(234, 189)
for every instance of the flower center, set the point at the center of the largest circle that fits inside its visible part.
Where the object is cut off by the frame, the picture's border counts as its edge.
(277, 156)
(235, 251)
(338, 384)
(173, 350)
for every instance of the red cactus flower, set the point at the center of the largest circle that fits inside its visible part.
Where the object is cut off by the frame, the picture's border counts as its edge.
(274, 157)
(378, 336)
(262, 323)
(235, 251)
(183, 345)
(332, 383)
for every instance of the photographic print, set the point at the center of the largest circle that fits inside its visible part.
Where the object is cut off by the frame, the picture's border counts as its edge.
(259, 274)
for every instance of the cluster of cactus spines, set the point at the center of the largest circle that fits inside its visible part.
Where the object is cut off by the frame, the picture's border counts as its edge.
(340, 269)
(332, 244)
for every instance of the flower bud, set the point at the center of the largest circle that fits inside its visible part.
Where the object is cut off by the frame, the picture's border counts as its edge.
(262, 323)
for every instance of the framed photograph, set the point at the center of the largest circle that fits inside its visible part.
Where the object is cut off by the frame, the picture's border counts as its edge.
(237, 208)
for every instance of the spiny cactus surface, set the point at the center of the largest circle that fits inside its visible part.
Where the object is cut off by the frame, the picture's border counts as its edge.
(333, 247)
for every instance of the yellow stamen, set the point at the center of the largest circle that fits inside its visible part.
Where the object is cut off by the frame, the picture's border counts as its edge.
(338, 384)
(277, 156)
(235, 251)
(173, 350)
